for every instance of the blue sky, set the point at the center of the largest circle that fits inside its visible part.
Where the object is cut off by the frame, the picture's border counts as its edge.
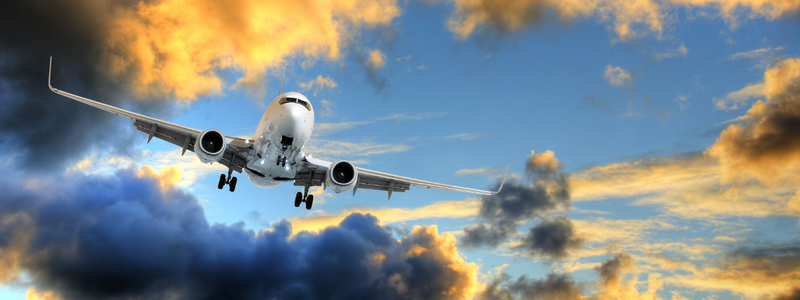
(678, 189)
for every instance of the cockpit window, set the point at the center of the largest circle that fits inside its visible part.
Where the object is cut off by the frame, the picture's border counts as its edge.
(295, 100)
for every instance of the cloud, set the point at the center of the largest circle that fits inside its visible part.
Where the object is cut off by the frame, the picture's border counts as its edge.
(757, 53)
(320, 83)
(767, 143)
(611, 284)
(376, 59)
(628, 19)
(177, 48)
(393, 215)
(738, 99)
(465, 136)
(328, 128)
(517, 203)
(403, 58)
(554, 286)
(682, 51)
(339, 149)
(687, 185)
(485, 171)
(616, 76)
(30, 111)
(760, 271)
(552, 238)
(127, 236)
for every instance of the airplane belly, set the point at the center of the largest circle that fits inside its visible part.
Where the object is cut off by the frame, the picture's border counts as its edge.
(268, 174)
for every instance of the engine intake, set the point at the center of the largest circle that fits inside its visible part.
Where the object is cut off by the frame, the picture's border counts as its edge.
(210, 145)
(341, 176)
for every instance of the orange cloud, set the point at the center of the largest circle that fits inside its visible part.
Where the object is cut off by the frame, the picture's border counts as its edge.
(376, 59)
(686, 186)
(176, 47)
(766, 144)
(32, 294)
(629, 19)
(425, 242)
(14, 254)
(320, 82)
(167, 178)
(444, 209)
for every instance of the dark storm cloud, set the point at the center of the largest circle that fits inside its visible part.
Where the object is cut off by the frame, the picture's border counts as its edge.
(610, 270)
(794, 294)
(563, 287)
(45, 131)
(125, 237)
(518, 203)
(554, 286)
(552, 238)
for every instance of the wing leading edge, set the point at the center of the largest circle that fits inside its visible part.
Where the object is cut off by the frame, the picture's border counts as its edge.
(179, 135)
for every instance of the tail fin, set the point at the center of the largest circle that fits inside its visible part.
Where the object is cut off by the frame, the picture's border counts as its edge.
(281, 86)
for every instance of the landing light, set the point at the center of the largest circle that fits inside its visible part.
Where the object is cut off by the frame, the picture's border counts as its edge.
(287, 168)
(262, 161)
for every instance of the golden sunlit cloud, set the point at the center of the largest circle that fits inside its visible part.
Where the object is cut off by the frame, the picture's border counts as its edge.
(376, 59)
(176, 47)
(444, 209)
(628, 19)
(426, 241)
(167, 177)
(320, 83)
(766, 143)
(616, 76)
(686, 186)
(32, 294)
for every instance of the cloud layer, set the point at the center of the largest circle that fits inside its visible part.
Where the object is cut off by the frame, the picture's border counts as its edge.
(128, 236)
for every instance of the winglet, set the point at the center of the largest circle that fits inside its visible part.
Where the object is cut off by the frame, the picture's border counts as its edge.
(49, 72)
(504, 180)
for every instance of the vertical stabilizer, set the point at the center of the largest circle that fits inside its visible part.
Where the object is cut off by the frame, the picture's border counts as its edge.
(281, 86)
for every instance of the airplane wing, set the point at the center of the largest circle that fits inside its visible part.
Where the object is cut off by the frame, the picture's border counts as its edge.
(313, 169)
(179, 135)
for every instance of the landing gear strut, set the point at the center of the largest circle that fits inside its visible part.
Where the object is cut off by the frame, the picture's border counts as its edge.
(304, 197)
(229, 180)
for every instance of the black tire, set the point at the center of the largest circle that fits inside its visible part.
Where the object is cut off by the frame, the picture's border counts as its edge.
(232, 185)
(221, 181)
(309, 201)
(298, 199)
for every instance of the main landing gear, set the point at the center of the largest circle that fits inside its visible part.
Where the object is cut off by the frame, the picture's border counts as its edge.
(304, 197)
(230, 181)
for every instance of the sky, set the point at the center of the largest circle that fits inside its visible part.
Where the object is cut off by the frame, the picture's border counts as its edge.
(652, 147)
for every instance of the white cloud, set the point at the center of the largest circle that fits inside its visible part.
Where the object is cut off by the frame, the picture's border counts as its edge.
(616, 76)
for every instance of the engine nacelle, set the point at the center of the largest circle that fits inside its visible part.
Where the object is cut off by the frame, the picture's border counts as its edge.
(210, 145)
(341, 177)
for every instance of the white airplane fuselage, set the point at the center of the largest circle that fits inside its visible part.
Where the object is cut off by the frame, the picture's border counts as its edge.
(279, 140)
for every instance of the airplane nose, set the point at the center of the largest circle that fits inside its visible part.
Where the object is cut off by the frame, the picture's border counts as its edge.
(293, 118)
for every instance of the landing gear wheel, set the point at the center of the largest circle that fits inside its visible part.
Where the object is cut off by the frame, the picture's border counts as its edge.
(309, 201)
(298, 199)
(221, 181)
(232, 184)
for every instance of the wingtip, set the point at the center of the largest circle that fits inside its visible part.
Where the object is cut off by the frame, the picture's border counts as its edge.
(49, 74)
(504, 180)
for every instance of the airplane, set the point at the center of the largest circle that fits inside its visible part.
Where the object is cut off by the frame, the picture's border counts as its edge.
(275, 155)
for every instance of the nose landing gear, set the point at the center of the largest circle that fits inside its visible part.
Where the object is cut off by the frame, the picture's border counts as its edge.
(229, 180)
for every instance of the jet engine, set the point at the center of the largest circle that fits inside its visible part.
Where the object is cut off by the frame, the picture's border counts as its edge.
(210, 145)
(341, 176)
